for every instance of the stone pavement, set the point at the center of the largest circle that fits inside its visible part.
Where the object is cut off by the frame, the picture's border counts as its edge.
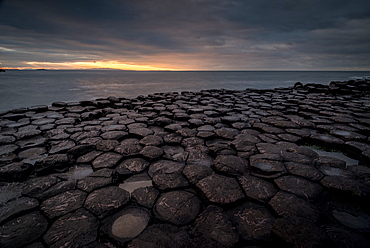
(215, 168)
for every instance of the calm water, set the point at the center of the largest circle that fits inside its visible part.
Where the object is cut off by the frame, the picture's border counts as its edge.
(29, 88)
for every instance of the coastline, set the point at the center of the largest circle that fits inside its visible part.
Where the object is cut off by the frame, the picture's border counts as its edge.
(236, 156)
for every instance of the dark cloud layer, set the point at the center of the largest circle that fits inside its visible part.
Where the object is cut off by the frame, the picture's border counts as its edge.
(191, 34)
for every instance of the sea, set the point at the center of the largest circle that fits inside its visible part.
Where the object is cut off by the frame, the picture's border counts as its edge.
(25, 88)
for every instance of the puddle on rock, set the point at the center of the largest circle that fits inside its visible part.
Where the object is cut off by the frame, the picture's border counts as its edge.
(78, 172)
(333, 153)
(131, 186)
(128, 226)
(135, 182)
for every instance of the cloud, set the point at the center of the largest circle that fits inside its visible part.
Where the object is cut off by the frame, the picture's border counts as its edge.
(193, 34)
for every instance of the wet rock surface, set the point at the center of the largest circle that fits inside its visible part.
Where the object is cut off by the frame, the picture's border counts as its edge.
(215, 168)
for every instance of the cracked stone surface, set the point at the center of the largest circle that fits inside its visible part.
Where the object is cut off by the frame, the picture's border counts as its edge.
(215, 168)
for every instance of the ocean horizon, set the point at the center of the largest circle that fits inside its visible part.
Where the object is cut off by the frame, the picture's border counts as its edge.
(25, 88)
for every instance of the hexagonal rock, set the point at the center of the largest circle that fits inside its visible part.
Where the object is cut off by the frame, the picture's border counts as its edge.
(177, 207)
(145, 196)
(107, 145)
(227, 133)
(346, 185)
(134, 165)
(243, 141)
(220, 189)
(266, 166)
(151, 152)
(126, 224)
(195, 173)
(257, 188)
(299, 186)
(176, 153)
(22, 230)
(231, 165)
(165, 167)
(304, 170)
(15, 172)
(36, 187)
(129, 147)
(142, 131)
(253, 221)
(106, 160)
(61, 146)
(63, 203)
(103, 201)
(330, 161)
(169, 181)
(56, 162)
(223, 233)
(97, 179)
(300, 232)
(73, 230)
(151, 140)
(16, 207)
(161, 235)
(114, 135)
(286, 204)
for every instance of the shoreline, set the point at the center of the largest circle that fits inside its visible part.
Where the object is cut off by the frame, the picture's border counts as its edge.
(235, 156)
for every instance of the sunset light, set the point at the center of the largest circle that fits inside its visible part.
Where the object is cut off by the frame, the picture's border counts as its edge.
(94, 65)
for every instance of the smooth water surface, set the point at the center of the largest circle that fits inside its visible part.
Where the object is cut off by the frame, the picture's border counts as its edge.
(28, 88)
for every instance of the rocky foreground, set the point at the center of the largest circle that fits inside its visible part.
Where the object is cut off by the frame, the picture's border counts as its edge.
(215, 168)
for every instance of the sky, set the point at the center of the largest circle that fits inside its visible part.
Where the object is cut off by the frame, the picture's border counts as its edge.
(185, 35)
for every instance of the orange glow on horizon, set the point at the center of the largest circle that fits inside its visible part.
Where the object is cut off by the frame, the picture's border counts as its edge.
(91, 65)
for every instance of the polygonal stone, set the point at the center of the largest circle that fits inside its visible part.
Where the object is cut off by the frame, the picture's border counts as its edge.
(36, 187)
(151, 152)
(63, 203)
(98, 179)
(129, 147)
(286, 204)
(55, 162)
(142, 132)
(227, 133)
(61, 146)
(165, 167)
(151, 140)
(88, 157)
(169, 181)
(145, 196)
(344, 237)
(17, 207)
(106, 160)
(253, 221)
(198, 155)
(223, 232)
(346, 185)
(103, 201)
(58, 188)
(304, 170)
(299, 186)
(177, 207)
(22, 230)
(31, 142)
(134, 165)
(107, 145)
(257, 188)
(126, 224)
(72, 230)
(220, 189)
(176, 153)
(231, 165)
(195, 173)
(266, 166)
(15, 172)
(114, 135)
(243, 141)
